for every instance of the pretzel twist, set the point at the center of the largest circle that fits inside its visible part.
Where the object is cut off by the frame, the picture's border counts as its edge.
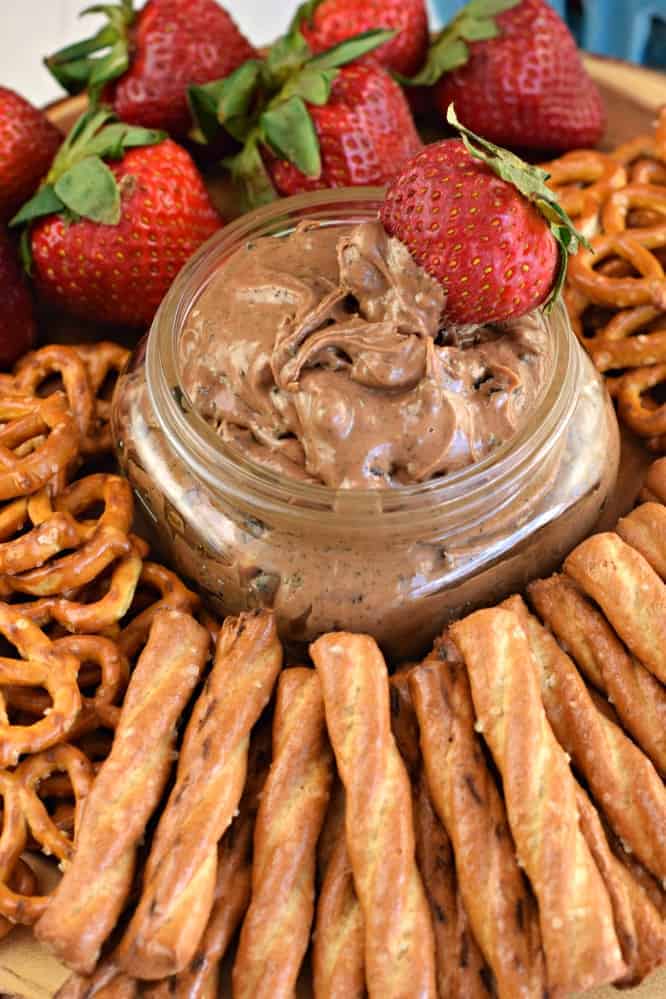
(172, 594)
(621, 292)
(39, 441)
(619, 204)
(643, 417)
(629, 592)
(622, 780)
(582, 180)
(575, 912)
(180, 873)
(101, 360)
(95, 886)
(632, 338)
(399, 942)
(469, 806)
(276, 928)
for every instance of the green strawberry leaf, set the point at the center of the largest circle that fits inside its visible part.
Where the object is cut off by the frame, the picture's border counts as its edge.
(303, 13)
(203, 100)
(114, 140)
(351, 49)
(237, 91)
(314, 86)
(473, 23)
(44, 202)
(289, 131)
(79, 66)
(531, 182)
(89, 190)
(248, 171)
(286, 56)
(110, 66)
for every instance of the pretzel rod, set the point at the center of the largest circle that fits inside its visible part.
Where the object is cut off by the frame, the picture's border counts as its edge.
(276, 928)
(654, 489)
(404, 723)
(180, 873)
(640, 928)
(106, 982)
(628, 591)
(399, 942)
(501, 912)
(94, 888)
(637, 696)
(338, 970)
(575, 912)
(621, 778)
(645, 530)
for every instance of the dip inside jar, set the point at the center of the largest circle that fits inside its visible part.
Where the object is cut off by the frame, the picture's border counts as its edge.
(321, 355)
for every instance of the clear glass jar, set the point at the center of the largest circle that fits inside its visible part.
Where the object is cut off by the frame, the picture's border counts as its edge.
(397, 563)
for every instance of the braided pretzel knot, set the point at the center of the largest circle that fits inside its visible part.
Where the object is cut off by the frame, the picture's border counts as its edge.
(110, 671)
(582, 180)
(40, 666)
(624, 291)
(38, 442)
(97, 544)
(644, 418)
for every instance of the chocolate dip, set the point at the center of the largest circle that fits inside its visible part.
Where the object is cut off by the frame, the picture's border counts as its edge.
(322, 355)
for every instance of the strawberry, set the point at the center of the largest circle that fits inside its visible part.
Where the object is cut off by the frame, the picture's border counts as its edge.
(517, 77)
(28, 143)
(484, 225)
(17, 325)
(307, 121)
(106, 241)
(152, 57)
(325, 23)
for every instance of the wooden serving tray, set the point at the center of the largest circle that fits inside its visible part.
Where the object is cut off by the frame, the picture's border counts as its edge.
(632, 95)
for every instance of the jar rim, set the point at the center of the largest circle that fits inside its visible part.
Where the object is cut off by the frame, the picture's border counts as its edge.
(224, 469)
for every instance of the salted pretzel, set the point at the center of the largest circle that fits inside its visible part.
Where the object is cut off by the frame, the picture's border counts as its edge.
(15, 906)
(102, 360)
(644, 146)
(171, 592)
(22, 881)
(635, 407)
(582, 179)
(96, 544)
(633, 338)
(622, 292)
(40, 665)
(39, 440)
(617, 206)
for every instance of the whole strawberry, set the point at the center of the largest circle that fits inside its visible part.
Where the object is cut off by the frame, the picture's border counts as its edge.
(326, 23)
(17, 325)
(310, 121)
(106, 241)
(28, 143)
(152, 57)
(516, 78)
(484, 225)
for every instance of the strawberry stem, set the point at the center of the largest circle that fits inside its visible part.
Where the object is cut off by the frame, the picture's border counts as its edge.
(79, 66)
(530, 181)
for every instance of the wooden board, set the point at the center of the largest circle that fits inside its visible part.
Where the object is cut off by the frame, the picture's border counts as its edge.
(632, 95)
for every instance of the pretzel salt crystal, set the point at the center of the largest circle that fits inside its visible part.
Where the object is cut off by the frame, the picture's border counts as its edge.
(629, 592)
(276, 928)
(94, 888)
(38, 442)
(638, 697)
(621, 778)
(575, 912)
(399, 942)
(180, 873)
(470, 807)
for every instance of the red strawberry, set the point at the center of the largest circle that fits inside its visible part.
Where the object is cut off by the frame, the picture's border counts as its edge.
(526, 87)
(156, 55)
(366, 134)
(28, 143)
(309, 122)
(107, 241)
(17, 325)
(483, 224)
(330, 22)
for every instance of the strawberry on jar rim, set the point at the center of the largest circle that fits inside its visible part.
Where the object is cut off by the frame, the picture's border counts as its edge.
(28, 143)
(309, 121)
(515, 75)
(104, 240)
(484, 225)
(143, 62)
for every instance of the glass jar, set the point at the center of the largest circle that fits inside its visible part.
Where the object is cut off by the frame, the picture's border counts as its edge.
(397, 563)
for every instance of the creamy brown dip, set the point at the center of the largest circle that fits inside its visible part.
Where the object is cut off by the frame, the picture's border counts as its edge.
(322, 355)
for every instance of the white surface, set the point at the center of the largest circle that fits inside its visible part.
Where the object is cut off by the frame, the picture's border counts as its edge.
(31, 29)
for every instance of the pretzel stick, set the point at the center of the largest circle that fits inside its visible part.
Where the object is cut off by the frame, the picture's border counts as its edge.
(654, 489)
(461, 968)
(640, 927)
(501, 912)
(91, 895)
(180, 873)
(638, 697)
(621, 778)
(645, 530)
(628, 591)
(399, 942)
(338, 970)
(575, 912)
(106, 982)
